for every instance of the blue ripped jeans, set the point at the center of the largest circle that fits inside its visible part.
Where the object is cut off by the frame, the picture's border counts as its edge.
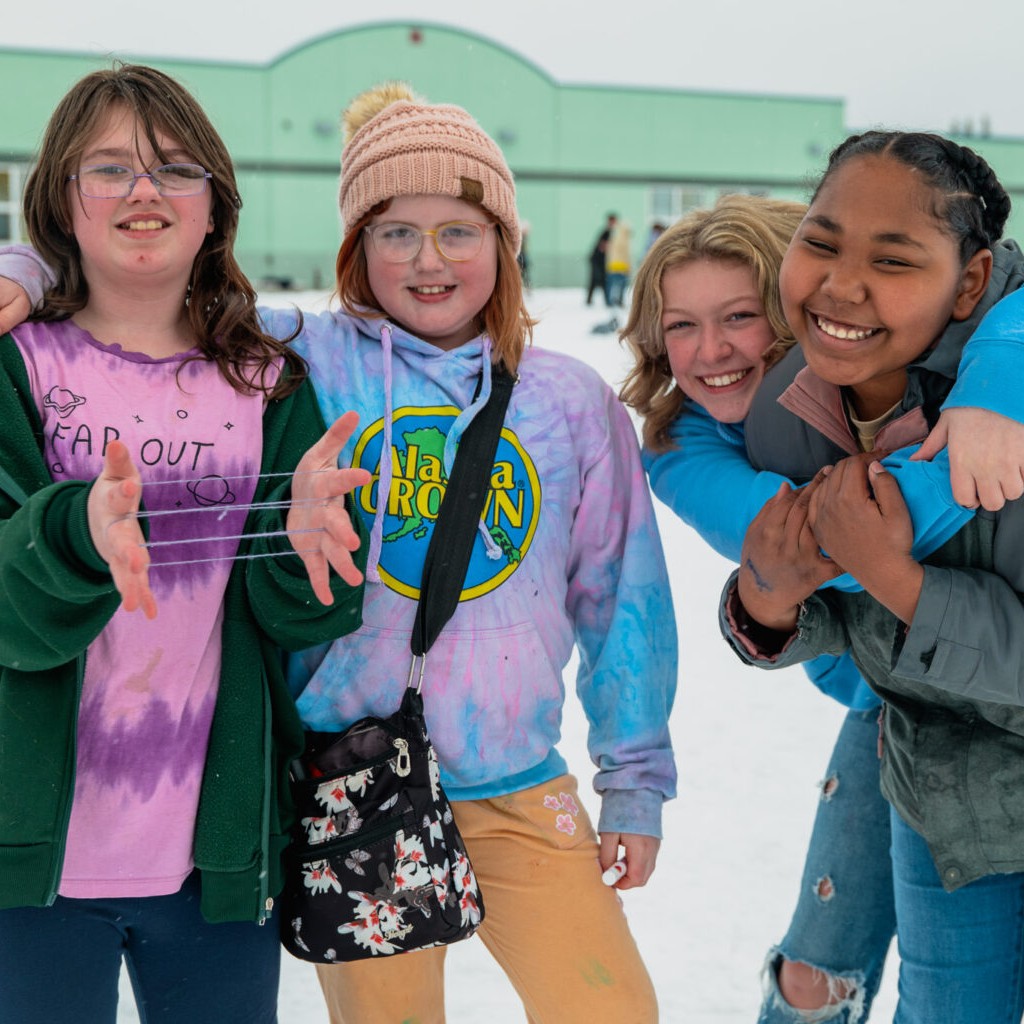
(962, 952)
(845, 918)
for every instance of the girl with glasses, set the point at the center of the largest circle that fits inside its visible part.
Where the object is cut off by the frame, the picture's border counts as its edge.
(155, 546)
(567, 555)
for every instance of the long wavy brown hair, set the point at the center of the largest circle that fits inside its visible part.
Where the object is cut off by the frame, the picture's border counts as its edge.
(222, 302)
(753, 230)
(504, 317)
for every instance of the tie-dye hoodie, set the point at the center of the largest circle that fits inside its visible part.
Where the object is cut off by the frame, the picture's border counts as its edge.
(568, 553)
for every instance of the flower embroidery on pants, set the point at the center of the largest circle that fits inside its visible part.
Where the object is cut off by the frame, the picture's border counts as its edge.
(563, 802)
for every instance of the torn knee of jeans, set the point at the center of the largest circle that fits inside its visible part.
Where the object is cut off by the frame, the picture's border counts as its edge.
(828, 787)
(845, 1000)
(824, 889)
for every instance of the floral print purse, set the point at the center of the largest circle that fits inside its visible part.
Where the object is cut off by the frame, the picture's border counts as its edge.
(377, 865)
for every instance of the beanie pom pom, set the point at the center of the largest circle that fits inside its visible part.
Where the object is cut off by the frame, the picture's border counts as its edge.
(367, 105)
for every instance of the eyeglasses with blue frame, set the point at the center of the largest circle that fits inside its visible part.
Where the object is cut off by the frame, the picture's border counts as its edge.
(114, 181)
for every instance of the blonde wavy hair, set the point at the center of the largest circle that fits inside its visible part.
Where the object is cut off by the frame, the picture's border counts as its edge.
(753, 230)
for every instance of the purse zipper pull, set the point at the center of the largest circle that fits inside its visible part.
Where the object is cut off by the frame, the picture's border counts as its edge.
(403, 763)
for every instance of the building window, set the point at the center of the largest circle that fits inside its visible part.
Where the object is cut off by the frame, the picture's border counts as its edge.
(662, 203)
(667, 203)
(11, 227)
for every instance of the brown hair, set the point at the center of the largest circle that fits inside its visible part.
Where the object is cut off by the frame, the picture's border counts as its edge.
(504, 317)
(752, 230)
(222, 302)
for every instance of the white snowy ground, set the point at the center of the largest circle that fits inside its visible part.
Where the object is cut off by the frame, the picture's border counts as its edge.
(751, 747)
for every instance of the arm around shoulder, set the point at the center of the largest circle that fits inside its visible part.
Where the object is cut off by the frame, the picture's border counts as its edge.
(707, 480)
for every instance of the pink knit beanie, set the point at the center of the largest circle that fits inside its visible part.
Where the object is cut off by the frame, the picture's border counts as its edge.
(398, 145)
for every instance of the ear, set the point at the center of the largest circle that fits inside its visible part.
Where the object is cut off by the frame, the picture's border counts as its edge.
(209, 225)
(974, 280)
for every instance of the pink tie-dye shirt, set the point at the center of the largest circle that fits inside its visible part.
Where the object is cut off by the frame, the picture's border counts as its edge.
(150, 686)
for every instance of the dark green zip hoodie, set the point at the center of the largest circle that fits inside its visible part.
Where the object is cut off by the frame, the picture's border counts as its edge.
(56, 596)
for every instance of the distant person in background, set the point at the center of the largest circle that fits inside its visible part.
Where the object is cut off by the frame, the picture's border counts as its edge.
(523, 259)
(618, 263)
(657, 230)
(598, 255)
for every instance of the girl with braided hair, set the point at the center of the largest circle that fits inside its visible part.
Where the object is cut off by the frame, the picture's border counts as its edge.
(897, 248)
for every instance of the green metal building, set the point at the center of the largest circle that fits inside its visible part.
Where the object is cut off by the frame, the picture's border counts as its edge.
(578, 152)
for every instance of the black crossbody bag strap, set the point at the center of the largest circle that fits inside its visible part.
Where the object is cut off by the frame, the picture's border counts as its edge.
(451, 543)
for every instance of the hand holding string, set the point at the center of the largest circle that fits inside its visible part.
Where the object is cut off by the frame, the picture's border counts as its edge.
(318, 510)
(114, 527)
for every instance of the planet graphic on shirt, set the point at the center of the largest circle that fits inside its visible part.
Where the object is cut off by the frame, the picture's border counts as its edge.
(211, 490)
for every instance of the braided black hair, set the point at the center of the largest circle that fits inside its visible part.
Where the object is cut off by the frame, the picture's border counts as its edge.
(974, 206)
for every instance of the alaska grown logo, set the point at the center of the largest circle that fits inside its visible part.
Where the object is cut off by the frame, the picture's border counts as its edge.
(418, 481)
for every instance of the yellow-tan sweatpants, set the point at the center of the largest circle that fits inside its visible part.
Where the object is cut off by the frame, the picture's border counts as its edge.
(557, 931)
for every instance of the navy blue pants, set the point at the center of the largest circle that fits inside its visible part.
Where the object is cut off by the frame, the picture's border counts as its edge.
(61, 964)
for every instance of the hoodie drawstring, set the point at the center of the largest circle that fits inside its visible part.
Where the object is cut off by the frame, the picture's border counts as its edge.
(384, 476)
(458, 428)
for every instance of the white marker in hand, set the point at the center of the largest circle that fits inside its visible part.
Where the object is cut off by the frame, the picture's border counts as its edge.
(614, 873)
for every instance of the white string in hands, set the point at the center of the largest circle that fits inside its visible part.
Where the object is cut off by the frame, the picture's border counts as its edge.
(223, 510)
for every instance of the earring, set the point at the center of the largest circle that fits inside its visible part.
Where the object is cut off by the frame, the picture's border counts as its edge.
(188, 294)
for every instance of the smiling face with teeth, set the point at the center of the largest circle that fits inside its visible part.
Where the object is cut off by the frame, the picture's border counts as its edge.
(716, 333)
(433, 298)
(144, 237)
(872, 278)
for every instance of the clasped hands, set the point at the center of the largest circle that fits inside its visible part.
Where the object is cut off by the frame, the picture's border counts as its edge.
(855, 512)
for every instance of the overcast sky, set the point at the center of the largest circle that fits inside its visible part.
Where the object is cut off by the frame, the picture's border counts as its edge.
(900, 63)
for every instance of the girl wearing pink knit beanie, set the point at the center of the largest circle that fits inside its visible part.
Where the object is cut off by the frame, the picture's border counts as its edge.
(567, 555)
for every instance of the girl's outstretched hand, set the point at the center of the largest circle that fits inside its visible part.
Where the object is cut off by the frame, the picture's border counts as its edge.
(986, 456)
(318, 525)
(860, 518)
(114, 527)
(781, 563)
(641, 853)
(14, 304)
